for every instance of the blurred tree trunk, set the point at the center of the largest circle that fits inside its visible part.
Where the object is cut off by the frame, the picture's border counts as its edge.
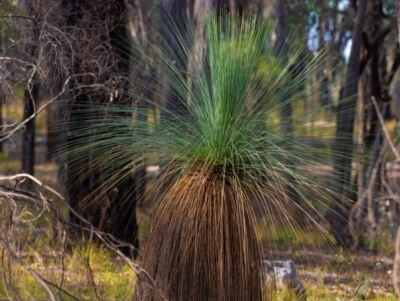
(111, 209)
(28, 145)
(31, 93)
(2, 93)
(52, 142)
(396, 265)
(225, 5)
(173, 15)
(2, 102)
(281, 50)
(132, 189)
(77, 180)
(372, 128)
(338, 214)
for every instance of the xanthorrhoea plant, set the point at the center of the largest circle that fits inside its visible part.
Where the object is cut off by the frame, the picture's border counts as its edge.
(227, 148)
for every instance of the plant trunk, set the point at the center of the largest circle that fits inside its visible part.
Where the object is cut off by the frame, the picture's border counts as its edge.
(203, 244)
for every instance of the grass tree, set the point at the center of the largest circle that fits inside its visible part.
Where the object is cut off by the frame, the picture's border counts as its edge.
(228, 148)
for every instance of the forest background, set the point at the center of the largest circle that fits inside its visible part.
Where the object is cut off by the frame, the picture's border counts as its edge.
(65, 237)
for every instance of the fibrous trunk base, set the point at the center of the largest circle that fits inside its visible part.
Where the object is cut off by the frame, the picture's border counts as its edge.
(203, 244)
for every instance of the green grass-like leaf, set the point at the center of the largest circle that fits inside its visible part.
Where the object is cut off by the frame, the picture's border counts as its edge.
(228, 123)
(231, 122)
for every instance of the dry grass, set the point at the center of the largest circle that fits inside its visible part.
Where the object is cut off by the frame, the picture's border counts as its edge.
(86, 273)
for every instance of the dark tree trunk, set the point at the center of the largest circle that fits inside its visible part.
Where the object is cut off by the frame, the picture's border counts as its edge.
(324, 90)
(2, 102)
(31, 95)
(131, 190)
(108, 204)
(230, 6)
(372, 126)
(372, 137)
(338, 214)
(375, 84)
(77, 180)
(173, 15)
(28, 143)
(2, 93)
(280, 49)
(52, 142)
(396, 265)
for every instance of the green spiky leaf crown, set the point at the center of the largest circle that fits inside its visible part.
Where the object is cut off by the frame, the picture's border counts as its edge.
(228, 122)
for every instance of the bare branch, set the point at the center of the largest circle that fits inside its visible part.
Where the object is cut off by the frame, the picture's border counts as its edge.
(21, 125)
